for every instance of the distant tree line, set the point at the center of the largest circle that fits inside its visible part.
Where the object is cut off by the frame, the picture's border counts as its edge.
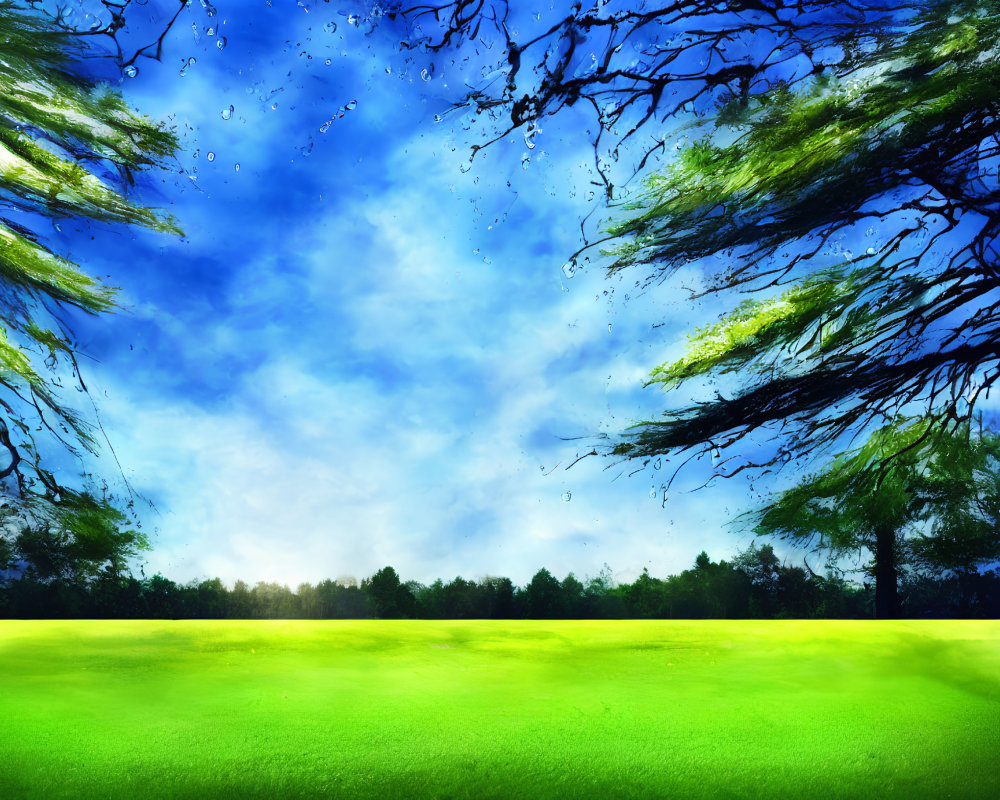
(755, 584)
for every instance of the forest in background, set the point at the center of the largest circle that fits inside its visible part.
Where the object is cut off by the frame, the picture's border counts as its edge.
(754, 585)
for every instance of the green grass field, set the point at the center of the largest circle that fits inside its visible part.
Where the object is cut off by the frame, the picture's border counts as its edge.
(692, 709)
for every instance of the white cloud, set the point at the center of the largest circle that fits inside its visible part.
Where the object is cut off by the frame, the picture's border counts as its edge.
(388, 369)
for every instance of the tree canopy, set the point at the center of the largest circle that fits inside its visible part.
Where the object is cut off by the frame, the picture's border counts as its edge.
(837, 165)
(69, 149)
(912, 496)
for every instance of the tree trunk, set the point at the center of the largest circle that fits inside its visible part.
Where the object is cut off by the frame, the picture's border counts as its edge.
(886, 594)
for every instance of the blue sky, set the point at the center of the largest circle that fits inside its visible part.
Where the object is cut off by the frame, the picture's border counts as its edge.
(360, 354)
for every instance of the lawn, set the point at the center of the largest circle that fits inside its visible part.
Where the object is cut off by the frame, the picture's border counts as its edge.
(690, 709)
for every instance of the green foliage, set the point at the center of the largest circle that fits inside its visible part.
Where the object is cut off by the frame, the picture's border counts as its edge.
(76, 538)
(391, 599)
(755, 584)
(899, 136)
(800, 158)
(824, 313)
(913, 495)
(69, 148)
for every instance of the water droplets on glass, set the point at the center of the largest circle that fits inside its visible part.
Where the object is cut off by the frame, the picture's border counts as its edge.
(567, 496)
(131, 71)
(569, 269)
(227, 113)
(221, 42)
(210, 156)
(529, 135)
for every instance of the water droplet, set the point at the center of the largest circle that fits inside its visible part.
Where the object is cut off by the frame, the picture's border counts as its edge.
(328, 62)
(652, 492)
(222, 42)
(569, 269)
(330, 27)
(870, 251)
(657, 464)
(237, 166)
(192, 61)
(351, 106)
(131, 71)
(211, 156)
(609, 327)
(354, 20)
(425, 75)
(324, 127)
(227, 113)
(567, 496)
(529, 135)
(525, 160)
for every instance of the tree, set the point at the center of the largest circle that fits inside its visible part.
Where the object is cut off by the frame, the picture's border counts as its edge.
(274, 601)
(573, 597)
(600, 598)
(240, 605)
(498, 597)
(543, 597)
(310, 602)
(75, 539)
(912, 495)
(647, 597)
(390, 598)
(839, 163)
(69, 149)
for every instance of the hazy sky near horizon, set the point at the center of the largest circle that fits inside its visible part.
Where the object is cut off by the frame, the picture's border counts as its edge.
(360, 354)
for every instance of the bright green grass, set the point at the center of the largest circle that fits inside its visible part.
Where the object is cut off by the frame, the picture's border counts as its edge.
(278, 709)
